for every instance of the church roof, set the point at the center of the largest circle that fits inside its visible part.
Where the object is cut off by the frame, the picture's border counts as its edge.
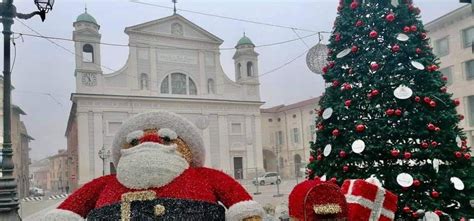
(86, 17)
(244, 41)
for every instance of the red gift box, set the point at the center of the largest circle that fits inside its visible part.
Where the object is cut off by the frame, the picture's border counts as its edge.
(368, 200)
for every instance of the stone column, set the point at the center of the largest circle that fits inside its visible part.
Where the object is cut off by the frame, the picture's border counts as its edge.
(83, 148)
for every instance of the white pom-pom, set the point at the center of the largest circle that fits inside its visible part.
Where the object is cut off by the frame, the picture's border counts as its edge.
(134, 135)
(166, 132)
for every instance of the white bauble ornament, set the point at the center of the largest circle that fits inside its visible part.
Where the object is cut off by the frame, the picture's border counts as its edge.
(327, 113)
(343, 53)
(402, 37)
(404, 180)
(458, 184)
(417, 65)
(327, 150)
(358, 146)
(402, 92)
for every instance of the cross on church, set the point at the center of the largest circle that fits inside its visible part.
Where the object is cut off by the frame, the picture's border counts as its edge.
(174, 7)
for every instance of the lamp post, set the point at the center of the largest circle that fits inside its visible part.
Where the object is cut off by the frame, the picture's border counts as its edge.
(8, 195)
(103, 154)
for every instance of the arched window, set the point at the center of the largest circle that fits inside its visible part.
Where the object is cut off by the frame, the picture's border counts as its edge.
(88, 53)
(239, 71)
(211, 86)
(178, 83)
(249, 69)
(144, 81)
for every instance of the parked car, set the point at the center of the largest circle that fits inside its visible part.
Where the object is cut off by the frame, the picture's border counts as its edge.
(268, 178)
(36, 191)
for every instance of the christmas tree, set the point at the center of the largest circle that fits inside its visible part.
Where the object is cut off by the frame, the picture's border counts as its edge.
(386, 112)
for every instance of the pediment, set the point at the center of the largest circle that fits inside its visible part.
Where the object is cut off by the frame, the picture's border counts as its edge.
(174, 26)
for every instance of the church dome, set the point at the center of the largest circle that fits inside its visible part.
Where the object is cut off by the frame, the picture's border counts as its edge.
(86, 17)
(244, 41)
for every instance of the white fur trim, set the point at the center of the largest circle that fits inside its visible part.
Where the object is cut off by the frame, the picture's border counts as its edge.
(166, 132)
(244, 209)
(162, 119)
(62, 215)
(134, 135)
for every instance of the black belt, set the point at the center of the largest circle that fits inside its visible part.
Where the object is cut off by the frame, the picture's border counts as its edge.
(160, 209)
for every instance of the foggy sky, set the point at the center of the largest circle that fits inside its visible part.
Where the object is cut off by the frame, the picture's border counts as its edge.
(42, 67)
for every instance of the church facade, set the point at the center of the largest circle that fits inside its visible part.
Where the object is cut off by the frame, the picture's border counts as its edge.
(173, 65)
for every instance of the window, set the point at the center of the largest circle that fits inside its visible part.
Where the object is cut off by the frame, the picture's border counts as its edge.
(249, 69)
(87, 53)
(471, 110)
(447, 72)
(239, 72)
(211, 86)
(296, 135)
(442, 47)
(178, 83)
(270, 120)
(468, 37)
(279, 138)
(144, 81)
(469, 69)
(294, 115)
(236, 128)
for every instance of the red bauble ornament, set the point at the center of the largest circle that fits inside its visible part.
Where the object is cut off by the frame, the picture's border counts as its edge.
(416, 183)
(395, 48)
(331, 64)
(406, 29)
(347, 86)
(437, 129)
(423, 36)
(374, 92)
(338, 37)
(319, 158)
(311, 158)
(424, 145)
(374, 66)
(432, 103)
(434, 194)
(395, 152)
(354, 5)
(434, 143)
(467, 156)
(456, 102)
(373, 34)
(359, 23)
(342, 154)
(335, 83)
(417, 99)
(438, 212)
(413, 28)
(398, 112)
(390, 17)
(414, 215)
(427, 100)
(325, 69)
(360, 128)
(431, 126)
(407, 155)
(463, 142)
(444, 89)
(406, 209)
(444, 78)
(461, 117)
(347, 103)
(354, 49)
(389, 112)
(434, 67)
(458, 154)
(335, 132)
(418, 51)
(345, 168)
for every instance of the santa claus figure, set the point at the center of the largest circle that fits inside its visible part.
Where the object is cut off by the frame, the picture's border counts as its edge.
(159, 158)
(316, 200)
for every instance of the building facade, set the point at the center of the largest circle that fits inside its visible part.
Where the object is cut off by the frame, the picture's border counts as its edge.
(58, 181)
(173, 65)
(39, 174)
(452, 37)
(20, 145)
(287, 131)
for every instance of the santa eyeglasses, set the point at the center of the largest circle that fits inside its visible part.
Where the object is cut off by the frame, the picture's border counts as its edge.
(163, 136)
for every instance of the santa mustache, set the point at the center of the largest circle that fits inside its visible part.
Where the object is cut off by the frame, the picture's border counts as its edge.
(149, 147)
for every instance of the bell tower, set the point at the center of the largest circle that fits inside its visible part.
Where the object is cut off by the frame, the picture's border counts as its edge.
(246, 62)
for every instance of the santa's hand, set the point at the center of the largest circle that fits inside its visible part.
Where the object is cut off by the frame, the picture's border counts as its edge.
(62, 215)
(253, 218)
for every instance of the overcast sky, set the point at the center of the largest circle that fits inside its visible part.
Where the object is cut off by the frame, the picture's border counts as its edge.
(42, 67)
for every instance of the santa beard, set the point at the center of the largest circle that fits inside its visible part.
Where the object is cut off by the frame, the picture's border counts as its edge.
(150, 165)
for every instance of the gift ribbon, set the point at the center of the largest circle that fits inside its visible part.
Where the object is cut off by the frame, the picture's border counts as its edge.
(376, 205)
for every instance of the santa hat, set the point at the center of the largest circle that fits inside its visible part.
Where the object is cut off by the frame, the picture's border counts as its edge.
(171, 123)
(317, 200)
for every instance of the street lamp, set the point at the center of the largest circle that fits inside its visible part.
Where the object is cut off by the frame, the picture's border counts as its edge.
(8, 198)
(103, 154)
